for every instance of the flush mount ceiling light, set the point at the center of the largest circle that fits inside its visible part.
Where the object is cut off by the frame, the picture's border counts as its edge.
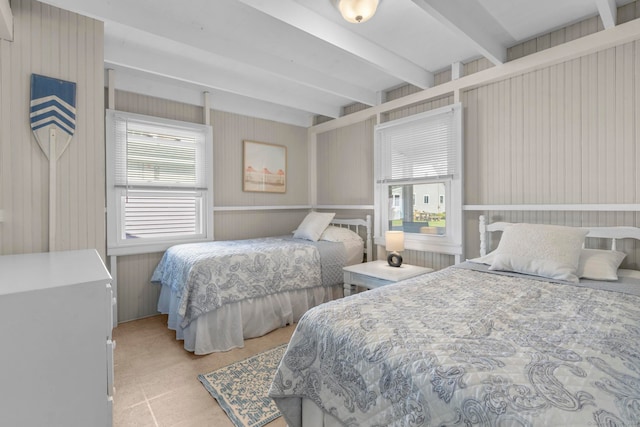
(357, 11)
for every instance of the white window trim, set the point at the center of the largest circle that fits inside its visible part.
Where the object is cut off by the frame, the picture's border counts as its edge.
(451, 243)
(119, 247)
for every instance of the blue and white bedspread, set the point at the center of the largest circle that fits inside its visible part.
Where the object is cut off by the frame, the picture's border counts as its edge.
(208, 275)
(466, 348)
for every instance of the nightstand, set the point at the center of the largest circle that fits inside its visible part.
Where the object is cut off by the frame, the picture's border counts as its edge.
(374, 274)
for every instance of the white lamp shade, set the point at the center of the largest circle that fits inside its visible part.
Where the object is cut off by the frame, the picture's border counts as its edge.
(394, 241)
(357, 11)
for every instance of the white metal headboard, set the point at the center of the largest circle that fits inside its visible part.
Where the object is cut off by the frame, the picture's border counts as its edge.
(354, 225)
(613, 233)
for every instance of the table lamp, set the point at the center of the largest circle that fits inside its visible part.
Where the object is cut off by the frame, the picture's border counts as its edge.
(394, 242)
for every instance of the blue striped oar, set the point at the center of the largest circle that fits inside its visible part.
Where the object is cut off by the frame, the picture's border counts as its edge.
(53, 121)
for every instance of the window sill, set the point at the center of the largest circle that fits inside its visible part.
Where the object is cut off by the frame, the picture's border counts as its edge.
(435, 244)
(148, 248)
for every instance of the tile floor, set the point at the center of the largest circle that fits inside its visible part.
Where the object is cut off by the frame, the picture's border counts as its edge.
(156, 379)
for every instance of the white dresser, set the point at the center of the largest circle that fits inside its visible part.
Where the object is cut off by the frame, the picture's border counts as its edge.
(56, 350)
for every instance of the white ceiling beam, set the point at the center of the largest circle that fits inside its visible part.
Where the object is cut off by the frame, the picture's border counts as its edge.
(188, 70)
(298, 16)
(457, 69)
(121, 10)
(306, 76)
(137, 82)
(562, 53)
(608, 12)
(6, 21)
(295, 73)
(469, 20)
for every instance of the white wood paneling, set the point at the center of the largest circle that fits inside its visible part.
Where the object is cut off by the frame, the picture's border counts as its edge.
(137, 296)
(559, 36)
(250, 224)
(562, 134)
(59, 44)
(156, 107)
(229, 132)
(344, 162)
(558, 136)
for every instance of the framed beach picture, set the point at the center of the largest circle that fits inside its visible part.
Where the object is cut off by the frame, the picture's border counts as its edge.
(264, 167)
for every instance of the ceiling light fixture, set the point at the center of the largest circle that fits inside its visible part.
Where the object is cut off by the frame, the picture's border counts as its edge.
(357, 11)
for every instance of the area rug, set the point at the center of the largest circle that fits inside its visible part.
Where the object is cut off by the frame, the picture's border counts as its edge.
(242, 388)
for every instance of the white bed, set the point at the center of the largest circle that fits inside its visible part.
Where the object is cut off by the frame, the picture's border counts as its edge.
(472, 345)
(265, 305)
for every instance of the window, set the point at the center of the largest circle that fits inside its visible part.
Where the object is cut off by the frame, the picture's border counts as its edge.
(420, 158)
(159, 176)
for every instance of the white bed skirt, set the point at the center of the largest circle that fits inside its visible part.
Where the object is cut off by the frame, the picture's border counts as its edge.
(227, 327)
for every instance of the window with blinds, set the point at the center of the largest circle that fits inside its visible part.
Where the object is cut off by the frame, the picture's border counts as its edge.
(418, 173)
(419, 149)
(159, 183)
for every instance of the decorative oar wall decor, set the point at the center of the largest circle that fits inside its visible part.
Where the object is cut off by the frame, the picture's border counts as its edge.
(53, 121)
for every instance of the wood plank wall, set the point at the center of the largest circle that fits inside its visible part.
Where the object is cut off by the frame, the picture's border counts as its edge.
(345, 165)
(229, 132)
(64, 45)
(564, 134)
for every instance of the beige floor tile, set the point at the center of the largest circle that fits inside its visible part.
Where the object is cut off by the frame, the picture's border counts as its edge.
(134, 416)
(127, 395)
(181, 404)
(152, 366)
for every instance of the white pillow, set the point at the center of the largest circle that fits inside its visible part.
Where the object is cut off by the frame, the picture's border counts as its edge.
(597, 264)
(551, 251)
(339, 234)
(623, 272)
(313, 225)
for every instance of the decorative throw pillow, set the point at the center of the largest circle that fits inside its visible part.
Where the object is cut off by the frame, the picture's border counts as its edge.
(551, 251)
(339, 234)
(313, 225)
(597, 264)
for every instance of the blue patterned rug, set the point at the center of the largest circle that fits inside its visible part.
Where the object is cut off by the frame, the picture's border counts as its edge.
(242, 388)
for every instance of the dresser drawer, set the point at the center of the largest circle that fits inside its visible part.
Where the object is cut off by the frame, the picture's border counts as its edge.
(368, 281)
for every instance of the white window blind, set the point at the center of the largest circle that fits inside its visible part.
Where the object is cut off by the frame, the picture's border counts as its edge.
(158, 156)
(419, 150)
(158, 171)
(159, 215)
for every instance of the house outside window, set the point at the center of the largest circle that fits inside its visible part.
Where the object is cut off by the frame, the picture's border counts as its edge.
(159, 175)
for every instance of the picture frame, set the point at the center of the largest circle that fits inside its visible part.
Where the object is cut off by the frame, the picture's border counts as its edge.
(264, 167)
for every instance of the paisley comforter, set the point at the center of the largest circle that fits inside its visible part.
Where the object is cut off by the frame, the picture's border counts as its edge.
(461, 348)
(209, 275)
